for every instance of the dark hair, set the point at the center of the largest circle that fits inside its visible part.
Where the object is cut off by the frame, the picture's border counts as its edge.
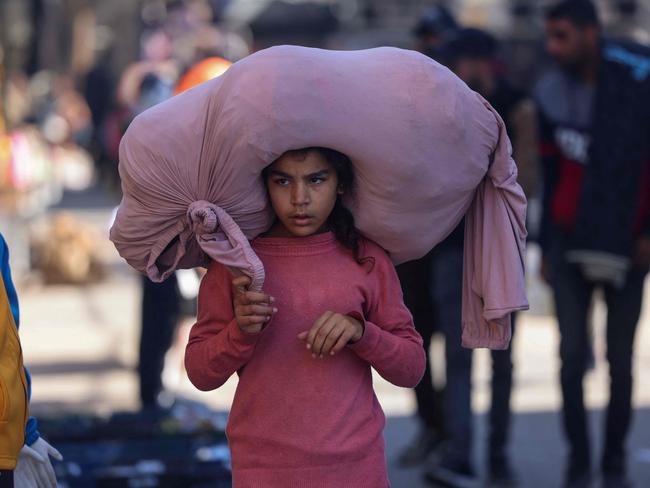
(341, 219)
(581, 13)
(470, 43)
(437, 21)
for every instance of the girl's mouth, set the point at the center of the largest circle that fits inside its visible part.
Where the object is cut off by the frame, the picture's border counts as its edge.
(301, 220)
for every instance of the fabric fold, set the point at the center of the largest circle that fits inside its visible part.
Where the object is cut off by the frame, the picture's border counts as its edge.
(221, 238)
(494, 252)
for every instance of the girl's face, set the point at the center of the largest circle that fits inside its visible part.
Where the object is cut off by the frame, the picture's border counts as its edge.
(303, 190)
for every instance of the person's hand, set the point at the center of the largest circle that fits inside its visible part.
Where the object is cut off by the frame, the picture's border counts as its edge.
(34, 468)
(252, 310)
(330, 333)
(642, 252)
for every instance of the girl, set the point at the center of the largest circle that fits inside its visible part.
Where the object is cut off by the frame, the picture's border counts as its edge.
(305, 413)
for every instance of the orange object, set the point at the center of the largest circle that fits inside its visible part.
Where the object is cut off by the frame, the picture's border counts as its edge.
(202, 71)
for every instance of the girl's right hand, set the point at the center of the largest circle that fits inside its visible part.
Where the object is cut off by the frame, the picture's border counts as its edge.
(252, 309)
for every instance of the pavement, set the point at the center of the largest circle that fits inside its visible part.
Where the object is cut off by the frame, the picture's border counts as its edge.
(80, 344)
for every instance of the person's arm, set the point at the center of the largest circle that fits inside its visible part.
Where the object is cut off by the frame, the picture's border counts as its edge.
(525, 145)
(217, 346)
(549, 155)
(389, 342)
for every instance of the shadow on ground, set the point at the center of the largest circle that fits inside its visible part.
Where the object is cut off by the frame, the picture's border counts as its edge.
(537, 448)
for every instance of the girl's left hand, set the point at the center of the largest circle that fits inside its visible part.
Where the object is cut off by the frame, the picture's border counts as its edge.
(330, 333)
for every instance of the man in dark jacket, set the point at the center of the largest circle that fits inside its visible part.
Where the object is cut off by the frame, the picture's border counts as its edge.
(594, 128)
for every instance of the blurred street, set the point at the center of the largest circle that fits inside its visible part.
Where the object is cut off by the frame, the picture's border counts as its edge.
(95, 329)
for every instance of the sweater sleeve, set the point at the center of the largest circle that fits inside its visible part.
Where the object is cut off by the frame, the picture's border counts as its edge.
(217, 347)
(390, 342)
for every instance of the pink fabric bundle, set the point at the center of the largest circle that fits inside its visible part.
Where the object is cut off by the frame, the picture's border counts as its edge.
(425, 149)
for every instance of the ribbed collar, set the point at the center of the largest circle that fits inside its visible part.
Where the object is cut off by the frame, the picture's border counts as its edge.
(295, 246)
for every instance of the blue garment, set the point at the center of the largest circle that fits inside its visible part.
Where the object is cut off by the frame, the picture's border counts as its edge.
(31, 429)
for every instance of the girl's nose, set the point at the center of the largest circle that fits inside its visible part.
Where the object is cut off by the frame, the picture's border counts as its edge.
(300, 195)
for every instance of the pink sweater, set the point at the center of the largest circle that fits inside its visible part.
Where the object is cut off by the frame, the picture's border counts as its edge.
(298, 421)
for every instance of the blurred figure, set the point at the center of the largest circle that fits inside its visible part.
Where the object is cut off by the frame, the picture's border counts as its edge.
(595, 226)
(161, 302)
(432, 30)
(151, 77)
(164, 304)
(416, 279)
(453, 467)
(99, 91)
(71, 106)
(161, 313)
(156, 59)
(472, 55)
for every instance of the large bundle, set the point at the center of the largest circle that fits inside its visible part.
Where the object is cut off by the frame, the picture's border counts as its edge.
(420, 141)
